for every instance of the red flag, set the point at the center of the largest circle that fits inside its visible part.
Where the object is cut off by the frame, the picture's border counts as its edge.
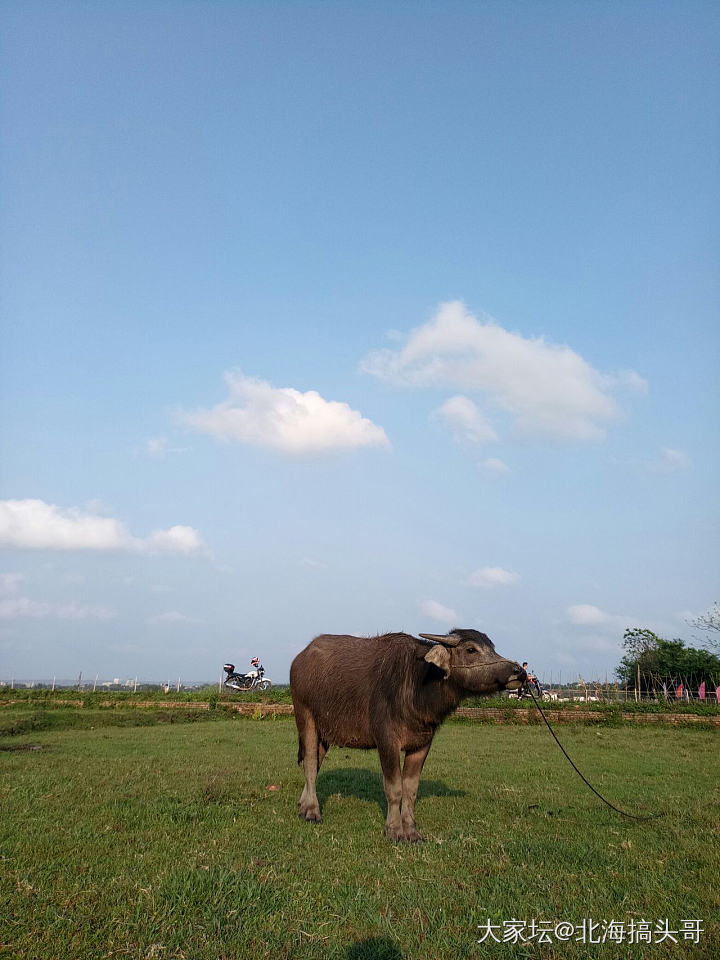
(717, 694)
(678, 692)
(701, 690)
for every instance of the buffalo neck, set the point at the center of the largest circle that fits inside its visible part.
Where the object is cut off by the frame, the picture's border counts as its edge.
(435, 698)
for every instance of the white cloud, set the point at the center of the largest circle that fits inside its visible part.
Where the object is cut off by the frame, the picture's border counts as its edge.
(585, 614)
(315, 564)
(671, 460)
(629, 380)
(171, 616)
(588, 615)
(81, 611)
(36, 525)
(438, 612)
(160, 447)
(178, 539)
(15, 606)
(494, 465)
(547, 389)
(488, 577)
(467, 423)
(284, 419)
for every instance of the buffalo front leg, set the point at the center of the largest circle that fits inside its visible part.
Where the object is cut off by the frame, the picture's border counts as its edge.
(412, 768)
(309, 808)
(390, 763)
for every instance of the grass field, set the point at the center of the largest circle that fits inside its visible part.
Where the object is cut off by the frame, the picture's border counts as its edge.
(163, 841)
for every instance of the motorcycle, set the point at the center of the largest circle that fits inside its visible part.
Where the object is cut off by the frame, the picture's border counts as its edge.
(530, 687)
(244, 682)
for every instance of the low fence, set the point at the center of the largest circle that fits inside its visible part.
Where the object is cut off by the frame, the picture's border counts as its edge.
(522, 715)
(500, 715)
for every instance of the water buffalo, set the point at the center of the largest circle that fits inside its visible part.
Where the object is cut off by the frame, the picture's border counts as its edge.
(389, 692)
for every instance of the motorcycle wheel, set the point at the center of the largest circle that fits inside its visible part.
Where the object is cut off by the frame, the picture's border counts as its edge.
(264, 685)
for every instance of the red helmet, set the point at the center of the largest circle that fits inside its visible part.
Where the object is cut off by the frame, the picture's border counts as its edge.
(255, 661)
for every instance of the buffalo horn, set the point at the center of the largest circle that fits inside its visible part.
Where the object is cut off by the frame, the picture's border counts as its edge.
(446, 639)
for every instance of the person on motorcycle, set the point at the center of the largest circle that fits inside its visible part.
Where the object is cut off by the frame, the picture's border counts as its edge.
(531, 678)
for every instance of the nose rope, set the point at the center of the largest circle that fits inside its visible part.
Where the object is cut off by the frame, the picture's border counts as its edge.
(624, 813)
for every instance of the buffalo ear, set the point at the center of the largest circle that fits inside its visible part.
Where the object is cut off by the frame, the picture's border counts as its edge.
(440, 657)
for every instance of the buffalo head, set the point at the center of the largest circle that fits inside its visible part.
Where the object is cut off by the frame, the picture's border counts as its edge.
(468, 658)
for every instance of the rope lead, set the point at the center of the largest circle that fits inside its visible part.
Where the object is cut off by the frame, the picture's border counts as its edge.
(631, 816)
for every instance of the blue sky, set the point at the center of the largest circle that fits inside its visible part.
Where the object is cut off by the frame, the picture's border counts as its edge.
(352, 318)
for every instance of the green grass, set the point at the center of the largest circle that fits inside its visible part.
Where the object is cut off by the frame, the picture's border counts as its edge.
(30, 719)
(163, 841)
(90, 698)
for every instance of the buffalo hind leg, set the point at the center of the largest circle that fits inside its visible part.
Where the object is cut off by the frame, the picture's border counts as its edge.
(313, 751)
(392, 776)
(323, 747)
(412, 768)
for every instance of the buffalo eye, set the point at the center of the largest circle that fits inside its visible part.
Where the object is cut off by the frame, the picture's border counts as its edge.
(472, 649)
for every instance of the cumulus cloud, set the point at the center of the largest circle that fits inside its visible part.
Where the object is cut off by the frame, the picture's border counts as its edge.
(585, 614)
(495, 465)
(588, 615)
(467, 423)
(284, 419)
(178, 539)
(36, 525)
(14, 605)
(438, 612)
(547, 389)
(489, 577)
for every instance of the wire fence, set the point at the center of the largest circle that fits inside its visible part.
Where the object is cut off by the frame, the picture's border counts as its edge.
(647, 688)
(97, 684)
(650, 689)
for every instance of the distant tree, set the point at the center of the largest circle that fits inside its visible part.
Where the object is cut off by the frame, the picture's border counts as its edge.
(641, 646)
(663, 661)
(709, 623)
(640, 642)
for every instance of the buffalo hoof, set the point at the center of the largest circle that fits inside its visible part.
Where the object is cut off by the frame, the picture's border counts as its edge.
(411, 835)
(403, 835)
(312, 815)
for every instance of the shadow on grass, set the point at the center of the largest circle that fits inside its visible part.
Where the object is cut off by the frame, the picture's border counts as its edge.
(368, 785)
(376, 948)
